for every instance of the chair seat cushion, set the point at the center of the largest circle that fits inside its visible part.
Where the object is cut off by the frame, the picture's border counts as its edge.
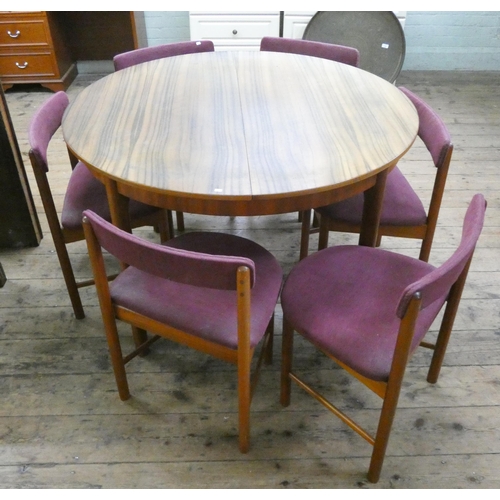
(401, 207)
(86, 192)
(207, 313)
(344, 299)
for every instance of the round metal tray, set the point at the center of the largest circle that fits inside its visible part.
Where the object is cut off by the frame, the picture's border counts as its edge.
(378, 36)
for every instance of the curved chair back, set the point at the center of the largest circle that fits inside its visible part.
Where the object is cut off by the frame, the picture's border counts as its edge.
(198, 289)
(338, 53)
(43, 126)
(145, 54)
(369, 309)
(403, 213)
(83, 191)
(432, 131)
(437, 284)
(181, 266)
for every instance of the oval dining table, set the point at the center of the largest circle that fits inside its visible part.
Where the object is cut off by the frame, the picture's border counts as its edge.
(241, 133)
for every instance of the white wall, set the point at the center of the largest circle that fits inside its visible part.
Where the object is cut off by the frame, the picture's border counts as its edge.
(434, 40)
(167, 26)
(452, 41)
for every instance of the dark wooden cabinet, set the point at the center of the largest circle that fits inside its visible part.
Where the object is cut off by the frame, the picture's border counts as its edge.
(19, 225)
(33, 49)
(43, 47)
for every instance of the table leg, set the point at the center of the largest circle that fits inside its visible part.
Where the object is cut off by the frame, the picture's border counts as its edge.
(118, 206)
(372, 210)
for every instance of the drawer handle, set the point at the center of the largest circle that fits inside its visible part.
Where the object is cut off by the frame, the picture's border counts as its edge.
(22, 66)
(235, 32)
(13, 35)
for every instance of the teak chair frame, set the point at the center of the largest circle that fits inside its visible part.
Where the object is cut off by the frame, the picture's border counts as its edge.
(63, 236)
(389, 390)
(141, 324)
(424, 232)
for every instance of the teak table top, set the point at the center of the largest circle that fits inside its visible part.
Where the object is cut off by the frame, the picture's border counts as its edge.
(240, 133)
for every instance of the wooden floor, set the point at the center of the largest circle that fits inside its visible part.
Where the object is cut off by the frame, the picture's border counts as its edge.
(62, 424)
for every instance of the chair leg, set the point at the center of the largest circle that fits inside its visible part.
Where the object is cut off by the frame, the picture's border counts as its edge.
(180, 220)
(323, 234)
(268, 356)
(425, 249)
(446, 326)
(69, 279)
(166, 226)
(304, 235)
(170, 224)
(115, 352)
(286, 363)
(140, 336)
(244, 399)
(384, 429)
(315, 222)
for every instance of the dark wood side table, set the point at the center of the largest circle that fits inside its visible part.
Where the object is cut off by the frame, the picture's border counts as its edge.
(19, 225)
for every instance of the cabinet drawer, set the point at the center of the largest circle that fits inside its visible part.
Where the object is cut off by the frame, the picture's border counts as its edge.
(23, 33)
(27, 65)
(233, 30)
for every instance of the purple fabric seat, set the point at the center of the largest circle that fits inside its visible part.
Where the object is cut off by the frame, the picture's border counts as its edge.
(209, 291)
(206, 312)
(146, 54)
(402, 206)
(343, 300)
(403, 213)
(83, 191)
(338, 53)
(369, 309)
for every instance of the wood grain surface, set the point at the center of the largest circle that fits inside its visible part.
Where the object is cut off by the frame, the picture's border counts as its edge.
(274, 132)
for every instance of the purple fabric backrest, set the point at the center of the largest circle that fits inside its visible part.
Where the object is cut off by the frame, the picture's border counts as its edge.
(339, 53)
(182, 266)
(438, 282)
(127, 59)
(432, 129)
(44, 124)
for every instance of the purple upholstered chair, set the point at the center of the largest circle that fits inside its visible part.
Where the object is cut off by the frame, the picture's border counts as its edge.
(403, 213)
(213, 292)
(369, 309)
(83, 191)
(127, 59)
(339, 53)
(133, 57)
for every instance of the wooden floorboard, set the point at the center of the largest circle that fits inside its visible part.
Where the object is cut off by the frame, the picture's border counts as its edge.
(62, 424)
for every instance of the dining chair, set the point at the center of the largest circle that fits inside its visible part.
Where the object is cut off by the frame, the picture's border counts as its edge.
(137, 56)
(403, 213)
(338, 53)
(369, 309)
(212, 292)
(83, 191)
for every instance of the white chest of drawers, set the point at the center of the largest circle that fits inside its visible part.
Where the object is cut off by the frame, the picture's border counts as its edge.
(234, 30)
